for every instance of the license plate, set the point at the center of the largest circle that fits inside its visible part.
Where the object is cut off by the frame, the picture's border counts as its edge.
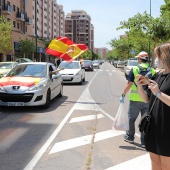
(67, 78)
(15, 104)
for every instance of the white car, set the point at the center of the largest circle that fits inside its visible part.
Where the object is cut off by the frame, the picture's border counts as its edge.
(5, 67)
(30, 84)
(72, 72)
(96, 64)
(129, 64)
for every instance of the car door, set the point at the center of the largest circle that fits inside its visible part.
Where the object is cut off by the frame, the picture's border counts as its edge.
(55, 82)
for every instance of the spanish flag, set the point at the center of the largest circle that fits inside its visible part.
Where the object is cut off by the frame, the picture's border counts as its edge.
(64, 48)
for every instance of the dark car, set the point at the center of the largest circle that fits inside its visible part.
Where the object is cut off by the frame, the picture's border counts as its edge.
(87, 65)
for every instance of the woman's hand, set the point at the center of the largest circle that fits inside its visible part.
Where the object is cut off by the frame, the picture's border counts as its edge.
(141, 80)
(153, 86)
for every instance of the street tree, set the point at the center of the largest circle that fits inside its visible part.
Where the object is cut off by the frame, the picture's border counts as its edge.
(26, 46)
(5, 35)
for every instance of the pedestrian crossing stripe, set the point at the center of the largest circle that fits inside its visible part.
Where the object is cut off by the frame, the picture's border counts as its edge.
(84, 140)
(86, 118)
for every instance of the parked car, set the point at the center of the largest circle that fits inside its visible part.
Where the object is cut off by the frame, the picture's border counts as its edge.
(96, 64)
(120, 64)
(5, 67)
(73, 72)
(23, 60)
(87, 65)
(129, 64)
(30, 84)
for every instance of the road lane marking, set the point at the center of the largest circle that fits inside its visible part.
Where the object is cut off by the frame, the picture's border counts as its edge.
(84, 140)
(85, 118)
(42, 150)
(139, 163)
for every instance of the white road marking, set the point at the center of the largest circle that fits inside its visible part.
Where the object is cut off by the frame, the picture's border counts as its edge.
(84, 140)
(139, 163)
(39, 154)
(85, 118)
(106, 70)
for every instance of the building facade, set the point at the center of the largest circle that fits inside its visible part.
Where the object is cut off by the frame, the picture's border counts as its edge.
(32, 19)
(102, 52)
(79, 29)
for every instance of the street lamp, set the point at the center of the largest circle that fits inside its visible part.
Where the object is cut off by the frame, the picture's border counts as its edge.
(35, 19)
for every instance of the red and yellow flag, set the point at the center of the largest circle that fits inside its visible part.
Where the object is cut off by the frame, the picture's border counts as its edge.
(19, 81)
(66, 49)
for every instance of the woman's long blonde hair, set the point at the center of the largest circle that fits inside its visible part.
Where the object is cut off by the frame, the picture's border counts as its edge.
(163, 53)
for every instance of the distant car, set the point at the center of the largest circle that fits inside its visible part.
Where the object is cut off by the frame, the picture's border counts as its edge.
(87, 65)
(120, 64)
(30, 84)
(5, 67)
(73, 72)
(129, 64)
(96, 64)
(23, 60)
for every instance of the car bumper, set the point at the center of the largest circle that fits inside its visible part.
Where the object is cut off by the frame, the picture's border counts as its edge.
(71, 79)
(35, 98)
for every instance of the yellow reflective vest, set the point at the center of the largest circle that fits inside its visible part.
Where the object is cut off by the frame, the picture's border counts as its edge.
(134, 95)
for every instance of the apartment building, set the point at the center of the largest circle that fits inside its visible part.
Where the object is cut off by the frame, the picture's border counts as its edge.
(102, 52)
(34, 19)
(79, 29)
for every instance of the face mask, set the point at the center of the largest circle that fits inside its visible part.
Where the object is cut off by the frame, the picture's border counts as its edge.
(158, 63)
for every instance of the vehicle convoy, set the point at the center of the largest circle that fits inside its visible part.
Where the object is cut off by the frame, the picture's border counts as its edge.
(73, 72)
(30, 84)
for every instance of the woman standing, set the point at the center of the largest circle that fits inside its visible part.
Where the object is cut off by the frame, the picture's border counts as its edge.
(157, 140)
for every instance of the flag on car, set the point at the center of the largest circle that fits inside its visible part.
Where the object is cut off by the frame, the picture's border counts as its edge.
(66, 49)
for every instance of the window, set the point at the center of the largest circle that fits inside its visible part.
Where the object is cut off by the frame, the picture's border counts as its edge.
(13, 23)
(17, 25)
(13, 7)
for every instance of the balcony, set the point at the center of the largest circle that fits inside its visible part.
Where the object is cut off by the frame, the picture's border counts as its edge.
(20, 16)
(28, 21)
(7, 10)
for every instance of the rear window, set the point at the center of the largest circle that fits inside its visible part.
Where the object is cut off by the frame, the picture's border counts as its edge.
(133, 62)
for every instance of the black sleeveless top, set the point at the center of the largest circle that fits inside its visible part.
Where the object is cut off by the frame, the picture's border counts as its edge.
(158, 139)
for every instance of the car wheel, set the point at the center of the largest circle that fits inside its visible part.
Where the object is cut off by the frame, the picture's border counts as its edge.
(48, 98)
(81, 82)
(61, 91)
(84, 79)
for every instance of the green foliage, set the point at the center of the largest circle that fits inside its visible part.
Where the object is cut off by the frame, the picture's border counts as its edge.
(5, 35)
(143, 33)
(26, 46)
(87, 55)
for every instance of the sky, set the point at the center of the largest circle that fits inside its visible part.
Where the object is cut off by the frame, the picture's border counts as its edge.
(106, 15)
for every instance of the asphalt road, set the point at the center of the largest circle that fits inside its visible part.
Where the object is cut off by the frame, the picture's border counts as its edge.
(75, 133)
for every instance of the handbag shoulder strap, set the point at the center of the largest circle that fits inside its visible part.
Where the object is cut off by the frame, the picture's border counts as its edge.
(157, 97)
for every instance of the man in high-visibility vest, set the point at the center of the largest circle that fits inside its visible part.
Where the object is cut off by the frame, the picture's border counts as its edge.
(136, 104)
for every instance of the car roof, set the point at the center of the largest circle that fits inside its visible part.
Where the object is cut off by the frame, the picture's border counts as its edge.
(35, 63)
(9, 62)
(71, 61)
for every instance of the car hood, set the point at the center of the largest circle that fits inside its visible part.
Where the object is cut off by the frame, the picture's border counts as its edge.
(19, 81)
(69, 71)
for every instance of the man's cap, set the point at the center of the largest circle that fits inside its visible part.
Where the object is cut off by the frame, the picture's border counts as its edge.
(143, 55)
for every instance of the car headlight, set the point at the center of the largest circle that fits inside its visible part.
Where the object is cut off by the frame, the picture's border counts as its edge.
(39, 86)
(2, 88)
(77, 73)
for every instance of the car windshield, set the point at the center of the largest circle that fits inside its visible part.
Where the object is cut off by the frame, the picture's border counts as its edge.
(133, 62)
(95, 61)
(29, 70)
(5, 65)
(86, 62)
(72, 65)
